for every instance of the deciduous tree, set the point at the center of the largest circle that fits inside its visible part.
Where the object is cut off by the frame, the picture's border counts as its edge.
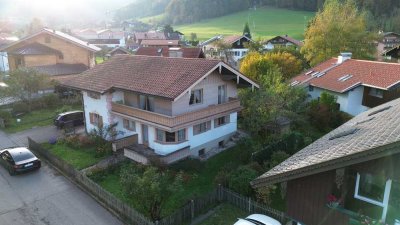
(338, 27)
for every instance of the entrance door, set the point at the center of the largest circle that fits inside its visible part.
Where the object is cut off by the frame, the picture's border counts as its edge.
(145, 134)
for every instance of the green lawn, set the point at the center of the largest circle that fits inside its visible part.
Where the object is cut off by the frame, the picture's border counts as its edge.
(225, 214)
(99, 60)
(264, 23)
(78, 158)
(201, 179)
(36, 118)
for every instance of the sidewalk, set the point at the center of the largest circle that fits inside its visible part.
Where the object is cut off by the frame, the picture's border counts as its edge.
(39, 134)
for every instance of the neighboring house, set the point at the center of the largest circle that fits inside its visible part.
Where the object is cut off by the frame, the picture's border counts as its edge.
(136, 39)
(392, 54)
(350, 171)
(171, 52)
(118, 51)
(388, 41)
(282, 41)
(103, 38)
(159, 43)
(236, 45)
(168, 108)
(51, 52)
(5, 39)
(176, 35)
(357, 84)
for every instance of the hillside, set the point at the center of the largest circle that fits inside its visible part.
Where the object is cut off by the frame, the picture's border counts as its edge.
(264, 23)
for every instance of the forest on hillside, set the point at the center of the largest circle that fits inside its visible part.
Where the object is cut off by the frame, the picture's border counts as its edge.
(381, 14)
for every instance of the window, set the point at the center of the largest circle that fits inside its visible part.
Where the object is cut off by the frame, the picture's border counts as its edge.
(129, 125)
(171, 137)
(47, 39)
(19, 62)
(373, 189)
(93, 95)
(196, 97)
(201, 128)
(310, 88)
(376, 92)
(146, 103)
(221, 94)
(96, 119)
(221, 121)
(61, 56)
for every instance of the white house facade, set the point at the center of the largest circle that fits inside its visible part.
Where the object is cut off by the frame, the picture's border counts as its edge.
(200, 117)
(357, 84)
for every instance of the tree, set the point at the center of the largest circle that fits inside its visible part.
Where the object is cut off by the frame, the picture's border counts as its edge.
(35, 26)
(150, 187)
(256, 64)
(338, 27)
(193, 37)
(168, 29)
(273, 99)
(246, 30)
(23, 84)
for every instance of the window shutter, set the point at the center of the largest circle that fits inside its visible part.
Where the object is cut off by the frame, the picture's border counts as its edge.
(91, 118)
(100, 123)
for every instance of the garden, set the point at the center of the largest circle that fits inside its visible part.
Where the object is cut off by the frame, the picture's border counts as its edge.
(18, 116)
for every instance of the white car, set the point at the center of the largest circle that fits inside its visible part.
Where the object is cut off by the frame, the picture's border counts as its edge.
(257, 219)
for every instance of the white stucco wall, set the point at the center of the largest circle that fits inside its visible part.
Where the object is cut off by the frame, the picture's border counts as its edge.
(99, 106)
(350, 102)
(210, 94)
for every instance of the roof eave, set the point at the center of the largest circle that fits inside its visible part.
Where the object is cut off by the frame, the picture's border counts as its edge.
(364, 156)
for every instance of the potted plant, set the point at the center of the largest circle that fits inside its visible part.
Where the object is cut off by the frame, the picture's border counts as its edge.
(333, 201)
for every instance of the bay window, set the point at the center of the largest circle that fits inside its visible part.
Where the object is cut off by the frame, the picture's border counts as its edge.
(171, 137)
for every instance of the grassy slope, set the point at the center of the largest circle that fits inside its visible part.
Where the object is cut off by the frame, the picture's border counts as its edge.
(268, 22)
(78, 158)
(225, 215)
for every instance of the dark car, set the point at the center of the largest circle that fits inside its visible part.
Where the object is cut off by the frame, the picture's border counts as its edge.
(19, 159)
(74, 118)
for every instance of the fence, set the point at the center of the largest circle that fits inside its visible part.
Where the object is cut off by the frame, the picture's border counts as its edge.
(124, 211)
(186, 214)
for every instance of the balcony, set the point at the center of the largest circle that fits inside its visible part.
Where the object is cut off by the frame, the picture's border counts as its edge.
(173, 123)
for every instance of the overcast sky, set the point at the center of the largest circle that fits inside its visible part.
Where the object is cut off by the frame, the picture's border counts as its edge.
(60, 11)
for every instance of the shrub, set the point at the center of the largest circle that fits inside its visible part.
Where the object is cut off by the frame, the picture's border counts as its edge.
(63, 109)
(6, 116)
(50, 100)
(19, 107)
(239, 180)
(222, 176)
(189, 165)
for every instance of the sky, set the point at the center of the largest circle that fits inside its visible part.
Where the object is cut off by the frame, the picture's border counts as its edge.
(60, 11)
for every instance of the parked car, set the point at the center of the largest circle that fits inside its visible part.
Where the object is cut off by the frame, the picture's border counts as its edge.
(19, 159)
(75, 118)
(257, 219)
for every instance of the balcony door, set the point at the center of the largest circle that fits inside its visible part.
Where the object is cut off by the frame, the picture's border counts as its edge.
(221, 94)
(145, 134)
(146, 103)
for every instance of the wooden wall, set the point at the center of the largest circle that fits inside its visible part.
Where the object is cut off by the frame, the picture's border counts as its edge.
(307, 198)
(372, 101)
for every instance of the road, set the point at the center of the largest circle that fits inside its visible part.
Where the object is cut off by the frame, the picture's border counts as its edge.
(45, 197)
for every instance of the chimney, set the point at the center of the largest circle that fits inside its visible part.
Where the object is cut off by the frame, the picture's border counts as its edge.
(343, 57)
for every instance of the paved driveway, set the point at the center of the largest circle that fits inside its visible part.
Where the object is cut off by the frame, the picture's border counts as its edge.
(45, 197)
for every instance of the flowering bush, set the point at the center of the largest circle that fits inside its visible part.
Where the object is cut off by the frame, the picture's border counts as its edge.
(369, 221)
(333, 200)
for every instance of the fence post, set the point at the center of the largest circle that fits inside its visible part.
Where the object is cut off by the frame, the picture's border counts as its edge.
(249, 205)
(192, 209)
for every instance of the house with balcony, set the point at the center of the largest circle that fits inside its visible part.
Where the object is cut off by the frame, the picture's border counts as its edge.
(357, 84)
(51, 52)
(282, 41)
(235, 44)
(166, 108)
(349, 176)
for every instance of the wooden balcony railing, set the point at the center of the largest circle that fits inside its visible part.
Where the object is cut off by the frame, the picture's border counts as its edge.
(233, 105)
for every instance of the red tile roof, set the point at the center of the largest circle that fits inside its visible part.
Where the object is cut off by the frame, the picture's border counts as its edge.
(327, 75)
(149, 35)
(35, 49)
(155, 42)
(152, 75)
(164, 51)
